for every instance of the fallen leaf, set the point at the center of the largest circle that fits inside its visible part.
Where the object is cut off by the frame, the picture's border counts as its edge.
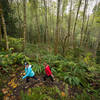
(8, 94)
(9, 83)
(4, 91)
(63, 94)
(6, 98)
(14, 86)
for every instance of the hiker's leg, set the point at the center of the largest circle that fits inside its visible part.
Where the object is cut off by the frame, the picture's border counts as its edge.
(27, 79)
(45, 77)
(51, 78)
(34, 77)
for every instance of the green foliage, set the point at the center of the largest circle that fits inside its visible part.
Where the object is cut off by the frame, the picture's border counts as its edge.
(16, 43)
(43, 93)
(77, 52)
(9, 18)
(38, 68)
(98, 57)
(8, 59)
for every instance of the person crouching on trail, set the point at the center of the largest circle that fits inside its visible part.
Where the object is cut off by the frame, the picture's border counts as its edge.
(48, 72)
(29, 73)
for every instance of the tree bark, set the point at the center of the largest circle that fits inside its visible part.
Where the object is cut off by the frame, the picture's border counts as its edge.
(80, 1)
(86, 33)
(37, 19)
(57, 28)
(24, 5)
(4, 28)
(0, 34)
(69, 26)
(46, 21)
(69, 22)
(82, 28)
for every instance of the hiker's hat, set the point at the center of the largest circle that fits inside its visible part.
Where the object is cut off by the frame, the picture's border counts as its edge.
(26, 63)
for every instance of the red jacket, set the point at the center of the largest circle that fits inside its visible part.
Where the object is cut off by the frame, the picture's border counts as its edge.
(47, 70)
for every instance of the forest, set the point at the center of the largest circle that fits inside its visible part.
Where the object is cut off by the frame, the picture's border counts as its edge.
(49, 49)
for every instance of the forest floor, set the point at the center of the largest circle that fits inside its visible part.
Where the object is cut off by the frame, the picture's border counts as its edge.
(16, 84)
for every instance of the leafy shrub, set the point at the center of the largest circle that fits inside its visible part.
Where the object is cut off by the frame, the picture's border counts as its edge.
(16, 43)
(43, 93)
(7, 59)
(78, 52)
(38, 68)
(98, 57)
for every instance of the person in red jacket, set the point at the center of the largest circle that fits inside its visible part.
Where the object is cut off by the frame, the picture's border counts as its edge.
(48, 72)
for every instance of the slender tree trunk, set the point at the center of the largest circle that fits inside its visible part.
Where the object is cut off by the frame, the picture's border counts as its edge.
(18, 13)
(46, 20)
(0, 34)
(37, 19)
(80, 1)
(69, 26)
(57, 27)
(82, 28)
(84, 40)
(5, 31)
(69, 22)
(24, 5)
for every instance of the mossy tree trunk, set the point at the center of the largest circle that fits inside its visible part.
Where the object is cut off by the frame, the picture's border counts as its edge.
(4, 28)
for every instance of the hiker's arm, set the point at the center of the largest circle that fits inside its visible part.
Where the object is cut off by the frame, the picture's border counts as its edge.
(29, 69)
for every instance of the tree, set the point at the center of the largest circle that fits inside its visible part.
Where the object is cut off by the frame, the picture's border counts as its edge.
(4, 28)
(24, 5)
(57, 27)
(80, 1)
(9, 17)
(36, 17)
(86, 32)
(46, 21)
(69, 26)
(0, 33)
(82, 28)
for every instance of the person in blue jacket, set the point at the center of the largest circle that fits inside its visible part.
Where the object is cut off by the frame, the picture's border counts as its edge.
(29, 73)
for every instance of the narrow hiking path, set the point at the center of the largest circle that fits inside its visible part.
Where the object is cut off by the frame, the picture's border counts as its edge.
(15, 85)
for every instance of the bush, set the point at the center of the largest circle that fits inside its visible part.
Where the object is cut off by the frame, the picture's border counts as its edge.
(98, 57)
(15, 43)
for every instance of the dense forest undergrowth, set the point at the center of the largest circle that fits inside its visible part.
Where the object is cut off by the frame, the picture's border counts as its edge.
(77, 74)
(63, 33)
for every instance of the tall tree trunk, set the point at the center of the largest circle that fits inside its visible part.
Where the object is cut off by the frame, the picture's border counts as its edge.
(82, 28)
(18, 13)
(85, 35)
(46, 21)
(57, 27)
(24, 5)
(80, 1)
(37, 19)
(69, 22)
(4, 28)
(69, 26)
(0, 34)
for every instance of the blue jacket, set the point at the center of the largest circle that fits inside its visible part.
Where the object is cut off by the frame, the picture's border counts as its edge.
(29, 72)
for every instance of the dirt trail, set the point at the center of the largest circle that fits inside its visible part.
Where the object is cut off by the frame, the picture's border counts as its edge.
(15, 85)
